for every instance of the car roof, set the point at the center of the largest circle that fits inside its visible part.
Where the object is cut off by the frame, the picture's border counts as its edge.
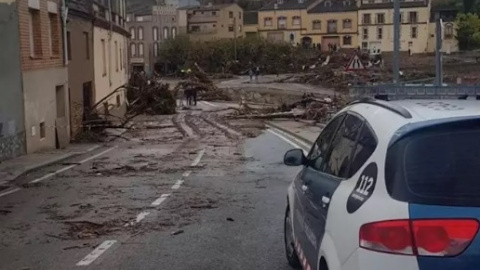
(387, 120)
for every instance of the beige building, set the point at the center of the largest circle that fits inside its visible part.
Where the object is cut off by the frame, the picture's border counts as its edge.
(110, 59)
(332, 22)
(250, 23)
(212, 22)
(449, 31)
(375, 25)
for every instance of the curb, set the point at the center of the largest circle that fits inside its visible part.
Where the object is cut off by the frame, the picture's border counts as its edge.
(58, 159)
(306, 141)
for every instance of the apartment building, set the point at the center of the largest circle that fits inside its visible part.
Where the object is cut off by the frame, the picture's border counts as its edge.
(110, 41)
(449, 30)
(285, 20)
(375, 25)
(44, 74)
(147, 32)
(212, 22)
(12, 127)
(332, 23)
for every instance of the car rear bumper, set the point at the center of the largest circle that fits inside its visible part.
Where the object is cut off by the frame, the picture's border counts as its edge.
(363, 259)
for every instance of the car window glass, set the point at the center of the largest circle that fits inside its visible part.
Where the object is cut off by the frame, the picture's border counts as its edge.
(338, 158)
(366, 144)
(320, 146)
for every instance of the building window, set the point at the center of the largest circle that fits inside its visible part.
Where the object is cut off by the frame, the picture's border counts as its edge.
(116, 56)
(365, 33)
(413, 17)
(230, 28)
(347, 24)
(347, 40)
(35, 34)
(174, 32)
(121, 57)
(165, 32)
(155, 33)
(214, 13)
(155, 49)
(87, 45)
(133, 50)
(140, 49)
(296, 20)
(69, 47)
(282, 22)
(414, 32)
(230, 14)
(317, 24)
(104, 58)
(140, 33)
(448, 32)
(401, 17)
(42, 130)
(380, 18)
(53, 34)
(132, 33)
(366, 19)
(379, 33)
(240, 15)
(267, 22)
(331, 26)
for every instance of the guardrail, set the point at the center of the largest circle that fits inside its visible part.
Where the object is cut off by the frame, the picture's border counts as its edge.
(415, 91)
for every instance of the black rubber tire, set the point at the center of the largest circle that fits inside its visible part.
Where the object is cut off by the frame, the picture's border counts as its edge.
(290, 251)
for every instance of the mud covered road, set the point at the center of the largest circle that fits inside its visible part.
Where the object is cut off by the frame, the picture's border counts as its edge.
(187, 191)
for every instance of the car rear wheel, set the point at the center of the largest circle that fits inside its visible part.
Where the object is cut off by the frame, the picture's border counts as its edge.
(290, 242)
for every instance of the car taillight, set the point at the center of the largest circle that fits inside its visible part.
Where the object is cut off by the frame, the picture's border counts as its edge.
(432, 237)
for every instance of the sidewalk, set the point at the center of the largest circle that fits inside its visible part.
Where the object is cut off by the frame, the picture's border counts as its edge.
(16, 167)
(301, 129)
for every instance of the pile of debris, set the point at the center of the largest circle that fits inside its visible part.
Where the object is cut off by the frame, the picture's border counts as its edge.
(198, 80)
(152, 99)
(309, 108)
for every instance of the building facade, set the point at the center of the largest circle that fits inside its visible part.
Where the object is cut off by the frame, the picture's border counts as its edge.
(44, 75)
(213, 22)
(250, 23)
(12, 127)
(110, 43)
(332, 23)
(375, 25)
(449, 30)
(147, 32)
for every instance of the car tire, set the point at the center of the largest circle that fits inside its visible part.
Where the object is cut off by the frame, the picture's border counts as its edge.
(290, 251)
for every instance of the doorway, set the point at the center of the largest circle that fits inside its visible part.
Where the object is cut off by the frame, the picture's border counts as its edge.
(87, 99)
(61, 123)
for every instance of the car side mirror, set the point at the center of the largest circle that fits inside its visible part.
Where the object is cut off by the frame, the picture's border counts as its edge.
(294, 157)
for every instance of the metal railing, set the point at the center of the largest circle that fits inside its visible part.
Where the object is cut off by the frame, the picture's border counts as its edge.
(424, 91)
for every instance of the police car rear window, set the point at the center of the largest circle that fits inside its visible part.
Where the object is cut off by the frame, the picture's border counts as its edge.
(437, 165)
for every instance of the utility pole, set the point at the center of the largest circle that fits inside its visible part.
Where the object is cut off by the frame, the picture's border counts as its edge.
(438, 51)
(396, 41)
(235, 36)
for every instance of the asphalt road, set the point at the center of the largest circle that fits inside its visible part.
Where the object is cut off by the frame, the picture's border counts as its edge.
(193, 193)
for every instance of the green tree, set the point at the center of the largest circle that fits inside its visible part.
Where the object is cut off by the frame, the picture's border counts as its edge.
(468, 31)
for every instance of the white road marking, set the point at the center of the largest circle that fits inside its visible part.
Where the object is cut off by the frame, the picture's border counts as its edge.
(92, 148)
(288, 140)
(292, 138)
(97, 155)
(177, 184)
(96, 253)
(139, 218)
(9, 192)
(210, 104)
(48, 175)
(186, 174)
(160, 200)
(198, 158)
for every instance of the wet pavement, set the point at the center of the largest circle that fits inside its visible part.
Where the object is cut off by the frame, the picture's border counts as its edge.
(187, 191)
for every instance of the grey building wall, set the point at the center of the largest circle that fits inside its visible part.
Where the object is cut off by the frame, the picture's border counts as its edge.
(12, 132)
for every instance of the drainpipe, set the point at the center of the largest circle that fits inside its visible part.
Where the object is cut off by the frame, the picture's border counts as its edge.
(109, 42)
(64, 14)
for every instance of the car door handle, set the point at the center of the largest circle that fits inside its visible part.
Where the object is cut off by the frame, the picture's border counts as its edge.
(325, 201)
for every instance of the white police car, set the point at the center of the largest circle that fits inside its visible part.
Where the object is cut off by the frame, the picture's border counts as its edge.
(389, 185)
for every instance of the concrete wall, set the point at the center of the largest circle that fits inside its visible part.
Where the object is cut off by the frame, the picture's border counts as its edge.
(40, 97)
(110, 78)
(80, 68)
(12, 135)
